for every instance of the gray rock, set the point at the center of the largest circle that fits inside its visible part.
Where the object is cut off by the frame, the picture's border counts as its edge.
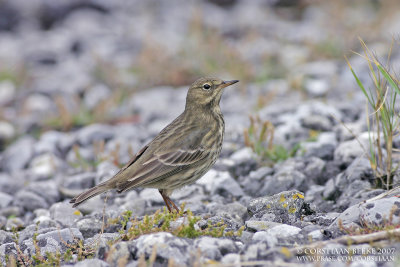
(94, 133)
(252, 183)
(284, 180)
(215, 248)
(5, 237)
(381, 211)
(317, 122)
(221, 183)
(64, 213)
(79, 181)
(89, 226)
(68, 235)
(45, 165)
(119, 254)
(316, 87)
(285, 207)
(10, 185)
(91, 262)
(348, 151)
(255, 226)
(283, 231)
(29, 201)
(314, 169)
(14, 223)
(95, 95)
(265, 237)
(17, 155)
(5, 200)
(322, 148)
(168, 246)
(7, 91)
(8, 250)
(49, 186)
(231, 259)
(7, 130)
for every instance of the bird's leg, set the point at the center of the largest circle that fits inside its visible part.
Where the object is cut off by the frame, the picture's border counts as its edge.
(168, 201)
(165, 199)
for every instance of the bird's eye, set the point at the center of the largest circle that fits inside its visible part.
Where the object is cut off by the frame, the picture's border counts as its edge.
(206, 86)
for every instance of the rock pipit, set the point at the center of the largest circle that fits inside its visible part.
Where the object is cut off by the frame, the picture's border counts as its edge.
(181, 153)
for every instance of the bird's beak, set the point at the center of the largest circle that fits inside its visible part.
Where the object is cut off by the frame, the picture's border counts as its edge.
(227, 83)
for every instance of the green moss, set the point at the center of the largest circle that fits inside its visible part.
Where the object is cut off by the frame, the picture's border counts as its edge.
(161, 222)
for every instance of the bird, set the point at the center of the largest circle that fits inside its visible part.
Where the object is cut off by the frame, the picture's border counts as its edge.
(181, 153)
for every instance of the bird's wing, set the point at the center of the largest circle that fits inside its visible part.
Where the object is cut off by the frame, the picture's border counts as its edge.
(165, 161)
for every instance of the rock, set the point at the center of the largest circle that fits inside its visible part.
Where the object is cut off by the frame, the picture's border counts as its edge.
(17, 155)
(317, 123)
(168, 246)
(348, 151)
(284, 180)
(7, 91)
(45, 165)
(119, 254)
(64, 213)
(256, 226)
(7, 130)
(265, 237)
(5, 237)
(40, 104)
(95, 95)
(314, 169)
(283, 231)
(29, 201)
(94, 133)
(14, 223)
(370, 214)
(91, 262)
(214, 248)
(231, 259)
(316, 87)
(49, 186)
(252, 183)
(221, 183)
(10, 185)
(151, 196)
(5, 200)
(285, 207)
(79, 181)
(233, 210)
(89, 226)
(322, 148)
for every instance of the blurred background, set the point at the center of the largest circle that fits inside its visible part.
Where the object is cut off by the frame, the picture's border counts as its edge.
(69, 63)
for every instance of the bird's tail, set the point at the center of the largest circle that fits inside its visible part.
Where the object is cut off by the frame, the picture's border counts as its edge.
(94, 191)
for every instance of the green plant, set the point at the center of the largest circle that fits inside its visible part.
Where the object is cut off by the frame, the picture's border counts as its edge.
(162, 222)
(259, 137)
(383, 121)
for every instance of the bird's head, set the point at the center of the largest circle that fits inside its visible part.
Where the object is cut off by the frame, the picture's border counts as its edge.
(206, 92)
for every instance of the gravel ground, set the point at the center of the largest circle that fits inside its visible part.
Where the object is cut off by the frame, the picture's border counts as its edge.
(85, 84)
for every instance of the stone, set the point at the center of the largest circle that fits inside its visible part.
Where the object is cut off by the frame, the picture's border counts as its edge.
(231, 259)
(49, 186)
(283, 231)
(7, 91)
(64, 213)
(79, 181)
(5, 200)
(91, 262)
(284, 180)
(285, 207)
(381, 211)
(348, 151)
(11, 185)
(256, 226)
(29, 201)
(5, 237)
(220, 183)
(45, 165)
(18, 154)
(168, 246)
(89, 226)
(214, 248)
(314, 169)
(7, 130)
(95, 95)
(94, 133)
(265, 237)
(14, 223)
(119, 254)
(316, 87)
